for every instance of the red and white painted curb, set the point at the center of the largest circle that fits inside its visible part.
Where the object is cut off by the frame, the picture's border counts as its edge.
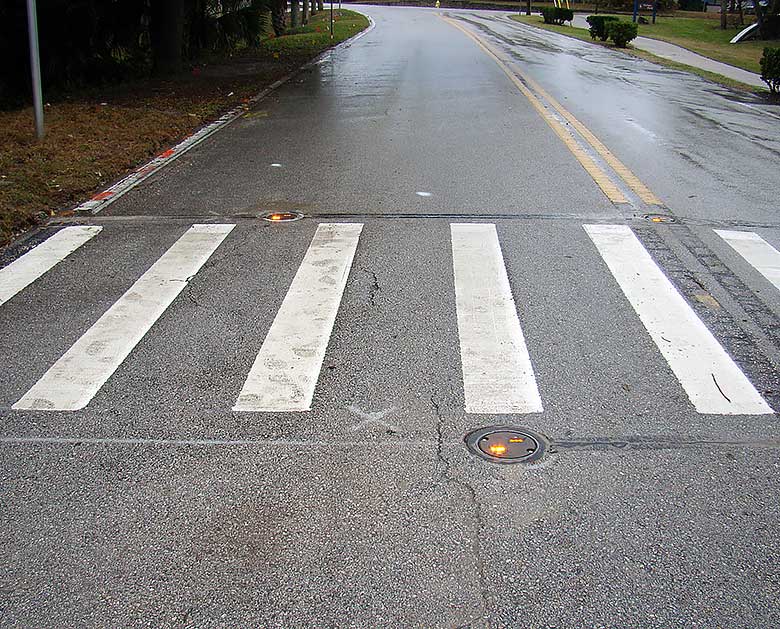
(101, 200)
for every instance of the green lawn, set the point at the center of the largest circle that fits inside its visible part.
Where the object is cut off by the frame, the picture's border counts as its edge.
(579, 33)
(315, 36)
(536, 20)
(705, 36)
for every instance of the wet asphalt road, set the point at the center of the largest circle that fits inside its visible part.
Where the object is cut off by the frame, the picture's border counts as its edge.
(157, 505)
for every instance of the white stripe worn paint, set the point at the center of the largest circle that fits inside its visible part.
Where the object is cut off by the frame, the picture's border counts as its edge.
(758, 252)
(25, 270)
(497, 373)
(79, 374)
(713, 382)
(285, 372)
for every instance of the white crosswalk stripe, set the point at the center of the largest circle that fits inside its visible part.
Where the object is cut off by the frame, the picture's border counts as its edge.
(712, 381)
(285, 372)
(79, 374)
(29, 267)
(758, 252)
(497, 372)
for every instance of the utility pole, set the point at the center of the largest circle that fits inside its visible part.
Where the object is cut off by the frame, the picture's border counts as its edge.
(35, 66)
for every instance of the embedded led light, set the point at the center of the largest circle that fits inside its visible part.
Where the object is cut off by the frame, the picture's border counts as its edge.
(281, 217)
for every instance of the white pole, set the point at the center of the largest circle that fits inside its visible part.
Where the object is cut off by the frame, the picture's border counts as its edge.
(35, 66)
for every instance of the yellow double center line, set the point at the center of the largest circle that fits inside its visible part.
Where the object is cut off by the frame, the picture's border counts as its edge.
(603, 180)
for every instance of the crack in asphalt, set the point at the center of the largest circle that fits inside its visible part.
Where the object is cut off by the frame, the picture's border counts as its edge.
(374, 289)
(472, 501)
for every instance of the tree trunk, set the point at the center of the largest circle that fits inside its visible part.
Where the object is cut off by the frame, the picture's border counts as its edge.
(305, 13)
(167, 33)
(294, 14)
(528, 8)
(724, 13)
(320, 5)
(278, 16)
(314, 7)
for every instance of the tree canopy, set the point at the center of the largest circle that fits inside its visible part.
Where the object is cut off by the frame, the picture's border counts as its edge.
(95, 41)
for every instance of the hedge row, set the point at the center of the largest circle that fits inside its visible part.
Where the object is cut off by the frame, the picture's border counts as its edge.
(622, 32)
(598, 25)
(770, 69)
(557, 15)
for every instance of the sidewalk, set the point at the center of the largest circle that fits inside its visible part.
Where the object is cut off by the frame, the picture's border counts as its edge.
(683, 55)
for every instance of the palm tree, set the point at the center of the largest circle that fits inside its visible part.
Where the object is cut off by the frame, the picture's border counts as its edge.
(279, 16)
(294, 13)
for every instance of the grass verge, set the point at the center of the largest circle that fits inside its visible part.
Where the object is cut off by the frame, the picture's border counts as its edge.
(705, 37)
(97, 136)
(580, 33)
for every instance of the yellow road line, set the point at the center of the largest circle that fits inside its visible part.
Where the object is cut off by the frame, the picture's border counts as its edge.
(612, 192)
(642, 191)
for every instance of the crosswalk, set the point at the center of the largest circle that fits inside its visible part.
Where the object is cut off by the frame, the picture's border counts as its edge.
(76, 377)
(496, 365)
(285, 372)
(24, 271)
(497, 372)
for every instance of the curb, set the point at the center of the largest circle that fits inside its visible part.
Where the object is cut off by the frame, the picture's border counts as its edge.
(103, 199)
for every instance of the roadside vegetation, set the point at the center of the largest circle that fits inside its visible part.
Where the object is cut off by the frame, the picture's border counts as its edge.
(701, 35)
(96, 134)
(704, 36)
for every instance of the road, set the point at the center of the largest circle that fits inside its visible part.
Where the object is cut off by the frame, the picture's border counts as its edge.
(476, 251)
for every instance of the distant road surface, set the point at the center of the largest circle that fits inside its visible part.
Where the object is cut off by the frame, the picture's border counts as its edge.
(210, 420)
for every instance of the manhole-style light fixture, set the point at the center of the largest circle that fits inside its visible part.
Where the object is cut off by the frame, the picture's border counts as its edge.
(281, 217)
(506, 444)
(659, 218)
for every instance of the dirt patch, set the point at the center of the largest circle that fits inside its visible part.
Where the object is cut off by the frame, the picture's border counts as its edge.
(96, 137)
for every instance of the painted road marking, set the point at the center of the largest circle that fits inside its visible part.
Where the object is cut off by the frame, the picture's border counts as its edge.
(597, 173)
(601, 178)
(633, 182)
(497, 373)
(77, 376)
(25, 270)
(285, 372)
(712, 381)
(758, 252)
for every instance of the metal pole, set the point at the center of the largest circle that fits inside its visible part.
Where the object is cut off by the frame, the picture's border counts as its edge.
(331, 19)
(35, 66)
(636, 9)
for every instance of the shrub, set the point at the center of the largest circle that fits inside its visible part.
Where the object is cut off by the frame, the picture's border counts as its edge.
(770, 69)
(622, 32)
(598, 25)
(557, 15)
